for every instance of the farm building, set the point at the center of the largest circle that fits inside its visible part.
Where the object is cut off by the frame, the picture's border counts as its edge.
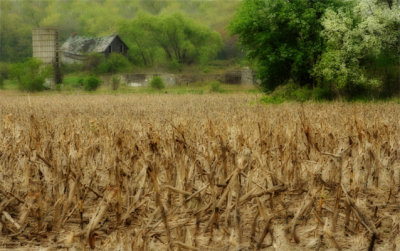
(76, 48)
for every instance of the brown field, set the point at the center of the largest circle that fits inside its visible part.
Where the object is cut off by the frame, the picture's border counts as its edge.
(197, 172)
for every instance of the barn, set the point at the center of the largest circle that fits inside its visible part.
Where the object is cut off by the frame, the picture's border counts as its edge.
(76, 48)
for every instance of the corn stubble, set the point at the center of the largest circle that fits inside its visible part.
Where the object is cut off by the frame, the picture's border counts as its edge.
(197, 173)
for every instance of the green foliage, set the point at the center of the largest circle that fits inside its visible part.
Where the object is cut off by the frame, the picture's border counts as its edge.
(302, 94)
(17, 18)
(113, 64)
(98, 63)
(81, 81)
(205, 69)
(290, 92)
(282, 36)
(115, 83)
(91, 83)
(361, 57)
(346, 48)
(295, 92)
(215, 86)
(180, 39)
(157, 83)
(268, 99)
(387, 69)
(174, 65)
(30, 75)
(71, 68)
(4, 73)
(4, 70)
(320, 94)
(93, 62)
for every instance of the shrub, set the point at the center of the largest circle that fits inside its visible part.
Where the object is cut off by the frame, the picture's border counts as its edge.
(290, 91)
(91, 83)
(302, 94)
(115, 83)
(285, 92)
(81, 82)
(30, 75)
(5, 73)
(269, 99)
(113, 64)
(174, 65)
(1, 82)
(4, 70)
(93, 62)
(34, 84)
(319, 94)
(294, 92)
(206, 69)
(215, 86)
(157, 83)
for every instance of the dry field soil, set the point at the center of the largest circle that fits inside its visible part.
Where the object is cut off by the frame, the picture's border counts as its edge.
(197, 172)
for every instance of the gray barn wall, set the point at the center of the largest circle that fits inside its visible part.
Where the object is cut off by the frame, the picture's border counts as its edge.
(115, 47)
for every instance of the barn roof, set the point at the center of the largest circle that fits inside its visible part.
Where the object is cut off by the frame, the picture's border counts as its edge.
(81, 45)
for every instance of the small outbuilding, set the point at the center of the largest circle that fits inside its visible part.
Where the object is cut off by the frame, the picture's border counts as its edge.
(76, 48)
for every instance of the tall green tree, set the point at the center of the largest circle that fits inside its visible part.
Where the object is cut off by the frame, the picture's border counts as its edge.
(15, 32)
(181, 39)
(143, 49)
(282, 37)
(185, 40)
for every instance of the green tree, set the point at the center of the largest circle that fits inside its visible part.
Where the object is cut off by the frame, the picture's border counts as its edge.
(180, 38)
(143, 49)
(282, 37)
(185, 40)
(15, 43)
(362, 49)
(30, 75)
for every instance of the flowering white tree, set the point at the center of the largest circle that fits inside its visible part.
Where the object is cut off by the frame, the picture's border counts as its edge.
(362, 47)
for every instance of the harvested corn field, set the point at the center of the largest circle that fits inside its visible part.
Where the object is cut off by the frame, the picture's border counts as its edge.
(197, 172)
